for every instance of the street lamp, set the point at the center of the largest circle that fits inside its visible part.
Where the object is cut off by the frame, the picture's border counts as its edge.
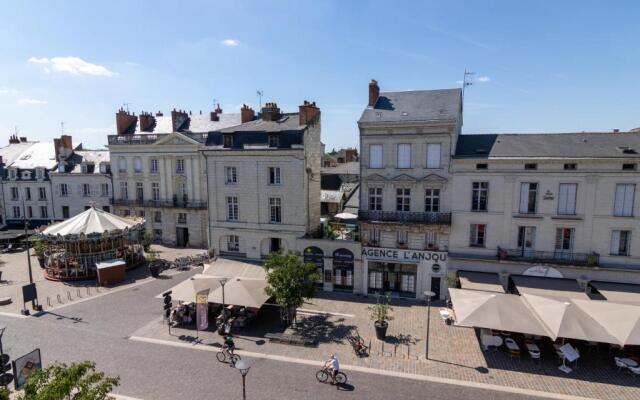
(223, 282)
(428, 294)
(26, 233)
(243, 366)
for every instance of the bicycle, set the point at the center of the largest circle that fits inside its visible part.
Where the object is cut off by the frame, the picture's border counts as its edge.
(225, 355)
(324, 375)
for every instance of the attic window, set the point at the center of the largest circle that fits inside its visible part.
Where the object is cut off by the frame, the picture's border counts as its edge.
(227, 141)
(274, 141)
(482, 166)
(571, 166)
(627, 150)
(531, 166)
(481, 151)
(378, 114)
(629, 167)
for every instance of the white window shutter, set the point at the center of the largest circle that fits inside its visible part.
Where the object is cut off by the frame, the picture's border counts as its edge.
(571, 198)
(562, 199)
(619, 199)
(615, 242)
(628, 200)
(524, 197)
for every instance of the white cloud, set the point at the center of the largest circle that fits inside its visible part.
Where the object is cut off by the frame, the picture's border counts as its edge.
(71, 65)
(8, 91)
(483, 78)
(459, 82)
(230, 42)
(31, 102)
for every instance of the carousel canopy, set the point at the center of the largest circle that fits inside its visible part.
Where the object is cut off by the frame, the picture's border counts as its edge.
(92, 221)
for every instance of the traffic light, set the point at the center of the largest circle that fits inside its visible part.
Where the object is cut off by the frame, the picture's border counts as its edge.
(167, 303)
(5, 367)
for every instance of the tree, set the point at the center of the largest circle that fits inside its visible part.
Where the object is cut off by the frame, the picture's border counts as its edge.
(147, 239)
(78, 381)
(290, 281)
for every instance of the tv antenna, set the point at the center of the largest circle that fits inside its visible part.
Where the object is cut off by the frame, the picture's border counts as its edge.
(260, 93)
(126, 106)
(62, 127)
(467, 80)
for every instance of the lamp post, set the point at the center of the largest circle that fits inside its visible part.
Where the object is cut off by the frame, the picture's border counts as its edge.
(223, 282)
(428, 294)
(26, 234)
(243, 366)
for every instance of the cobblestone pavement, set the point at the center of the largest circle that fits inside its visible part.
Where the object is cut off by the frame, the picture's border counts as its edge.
(52, 294)
(455, 352)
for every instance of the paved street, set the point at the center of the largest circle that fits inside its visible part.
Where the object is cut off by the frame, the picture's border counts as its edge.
(97, 329)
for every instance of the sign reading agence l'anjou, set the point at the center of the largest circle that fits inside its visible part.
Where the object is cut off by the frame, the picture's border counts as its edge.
(376, 253)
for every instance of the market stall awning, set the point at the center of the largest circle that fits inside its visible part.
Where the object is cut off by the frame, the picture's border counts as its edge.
(505, 312)
(484, 281)
(618, 292)
(549, 287)
(227, 268)
(621, 320)
(241, 292)
(92, 221)
(186, 291)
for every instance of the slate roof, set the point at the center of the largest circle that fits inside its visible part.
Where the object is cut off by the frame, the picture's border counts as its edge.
(415, 106)
(40, 154)
(198, 123)
(11, 152)
(94, 156)
(550, 145)
(288, 122)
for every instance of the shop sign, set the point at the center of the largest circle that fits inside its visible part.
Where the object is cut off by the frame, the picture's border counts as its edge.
(376, 253)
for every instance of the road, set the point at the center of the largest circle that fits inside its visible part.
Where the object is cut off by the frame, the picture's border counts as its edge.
(97, 330)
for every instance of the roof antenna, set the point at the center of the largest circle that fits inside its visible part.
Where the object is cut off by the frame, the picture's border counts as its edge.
(467, 81)
(260, 92)
(62, 127)
(126, 106)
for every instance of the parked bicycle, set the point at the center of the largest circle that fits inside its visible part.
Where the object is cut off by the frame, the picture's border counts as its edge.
(358, 345)
(324, 376)
(225, 355)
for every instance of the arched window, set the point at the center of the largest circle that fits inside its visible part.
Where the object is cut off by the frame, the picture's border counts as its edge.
(315, 256)
(343, 270)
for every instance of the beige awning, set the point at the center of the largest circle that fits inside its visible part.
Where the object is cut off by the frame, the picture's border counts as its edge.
(241, 292)
(186, 290)
(549, 287)
(224, 267)
(618, 292)
(505, 312)
(621, 320)
(484, 281)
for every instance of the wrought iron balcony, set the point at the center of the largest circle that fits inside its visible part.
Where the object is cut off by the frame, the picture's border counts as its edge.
(199, 205)
(429, 218)
(550, 257)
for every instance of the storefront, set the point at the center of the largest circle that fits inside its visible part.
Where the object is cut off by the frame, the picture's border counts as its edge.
(404, 273)
(315, 256)
(343, 260)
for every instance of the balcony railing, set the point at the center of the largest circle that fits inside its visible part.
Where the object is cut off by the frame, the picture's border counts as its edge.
(200, 205)
(551, 257)
(430, 218)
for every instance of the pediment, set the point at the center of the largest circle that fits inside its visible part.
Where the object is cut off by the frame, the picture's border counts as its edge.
(175, 139)
(434, 178)
(376, 178)
(404, 178)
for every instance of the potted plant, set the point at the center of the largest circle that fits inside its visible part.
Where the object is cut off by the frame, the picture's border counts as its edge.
(380, 314)
(39, 249)
(154, 266)
(592, 259)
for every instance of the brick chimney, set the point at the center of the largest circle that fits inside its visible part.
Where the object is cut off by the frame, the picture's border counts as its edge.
(309, 113)
(350, 155)
(13, 139)
(178, 119)
(159, 114)
(374, 92)
(246, 114)
(63, 147)
(125, 122)
(270, 112)
(147, 122)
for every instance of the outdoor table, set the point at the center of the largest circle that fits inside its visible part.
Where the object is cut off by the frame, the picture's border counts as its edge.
(629, 362)
(532, 347)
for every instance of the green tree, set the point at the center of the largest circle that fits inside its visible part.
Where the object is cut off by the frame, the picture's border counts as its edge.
(5, 394)
(78, 381)
(290, 281)
(147, 239)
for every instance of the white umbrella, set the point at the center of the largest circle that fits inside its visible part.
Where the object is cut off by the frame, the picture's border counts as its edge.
(621, 320)
(91, 221)
(241, 292)
(345, 215)
(186, 291)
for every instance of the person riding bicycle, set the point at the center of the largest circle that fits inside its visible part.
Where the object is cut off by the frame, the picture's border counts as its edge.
(333, 365)
(229, 344)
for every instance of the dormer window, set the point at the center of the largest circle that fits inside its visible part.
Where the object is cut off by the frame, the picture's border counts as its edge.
(13, 173)
(274, 141)
(39, 174)
(629, 167)
(227, 141)
(26, 174)
(104, 168)
(83, 168)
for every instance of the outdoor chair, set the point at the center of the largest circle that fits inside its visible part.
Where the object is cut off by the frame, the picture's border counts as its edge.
(620, 364)
(635, 371)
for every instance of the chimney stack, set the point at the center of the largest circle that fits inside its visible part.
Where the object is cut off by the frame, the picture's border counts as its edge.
(309, 113)
(374, 92)
(125, 122)
(246, 114)
(159, 114)
(178, 119)
(63, 147)
(13, 139)
(270, 112)
(147, 122)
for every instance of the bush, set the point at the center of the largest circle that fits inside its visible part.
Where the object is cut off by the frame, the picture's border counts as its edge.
(147, 239)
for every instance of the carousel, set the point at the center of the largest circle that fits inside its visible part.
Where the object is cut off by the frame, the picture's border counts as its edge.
(74, 248)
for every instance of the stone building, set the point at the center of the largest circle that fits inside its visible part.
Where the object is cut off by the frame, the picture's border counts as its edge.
(159, 172)
(406, 142)
(560, 205)
(264, 181)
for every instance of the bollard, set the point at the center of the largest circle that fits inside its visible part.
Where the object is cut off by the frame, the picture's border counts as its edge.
(59, 299)
(89, 290)
(69, 296)
(78, 293)
(49, 301)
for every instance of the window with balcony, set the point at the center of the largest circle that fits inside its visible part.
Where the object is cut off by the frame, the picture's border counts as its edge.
(477, 235)
(374, 237)
(567, 198)
(275, 210)
(137, 165)
(14, 193)
(16, 212)
(180, 166)
(403, 199)
(479, 196)
(434, 151)
(44, 212)
(431, 240)
(182, 218)
(526, 238)
(620, 243)
(139, 191)
(124, 191)
(230, 175)
(375, 156)
(375, 199)
(155, 191)
(274, 176)
(564, 239)
(528, 198)
(233, 243)
(104, 189)
(404, 155)
(402, 239)
(64, 190)
(42, 193)
(432, 200)
(624, 199)
(153, 166)
(232, 208)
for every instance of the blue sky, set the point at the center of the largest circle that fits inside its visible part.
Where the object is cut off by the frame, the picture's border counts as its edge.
(540, 66)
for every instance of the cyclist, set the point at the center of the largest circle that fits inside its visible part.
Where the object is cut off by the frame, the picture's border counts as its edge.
(334, 366)
(229, 344)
